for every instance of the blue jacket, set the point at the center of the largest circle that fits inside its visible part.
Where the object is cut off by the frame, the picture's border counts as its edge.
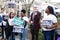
(1, 19)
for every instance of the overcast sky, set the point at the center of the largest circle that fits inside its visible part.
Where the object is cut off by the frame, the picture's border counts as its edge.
(56, 1)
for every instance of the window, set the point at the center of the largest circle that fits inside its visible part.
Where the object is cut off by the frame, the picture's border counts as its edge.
(9, 0)
(6, 0)
(11, 5)
(17, 1)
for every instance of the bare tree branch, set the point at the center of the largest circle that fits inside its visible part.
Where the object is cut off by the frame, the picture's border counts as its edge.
(31, 3)
(27, 5)
(21, 0)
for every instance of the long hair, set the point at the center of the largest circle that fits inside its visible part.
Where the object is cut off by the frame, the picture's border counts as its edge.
(10, 14)
(51, 10)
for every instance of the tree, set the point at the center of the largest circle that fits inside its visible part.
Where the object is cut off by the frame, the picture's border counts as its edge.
(26, 5)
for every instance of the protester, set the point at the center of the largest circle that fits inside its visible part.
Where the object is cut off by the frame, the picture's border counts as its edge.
(4, 18)
(1, 22)
(25, 24)
(9, 25)
(35, 23)
(49, 24)
(18, 22)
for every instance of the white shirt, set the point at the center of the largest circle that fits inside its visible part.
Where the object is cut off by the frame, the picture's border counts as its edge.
(48, 21)
(26, 19)
(34, 13)
(4, 23)
(1, 16)
(11, 21)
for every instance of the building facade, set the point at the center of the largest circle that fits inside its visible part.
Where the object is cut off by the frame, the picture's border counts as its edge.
(9, 5)
(17, 5)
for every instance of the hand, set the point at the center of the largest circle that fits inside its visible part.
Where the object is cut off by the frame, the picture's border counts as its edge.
(48, 27)
(31, 22)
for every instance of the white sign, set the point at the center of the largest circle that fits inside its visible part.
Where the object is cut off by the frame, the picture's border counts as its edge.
(47, 23)
(18, 29)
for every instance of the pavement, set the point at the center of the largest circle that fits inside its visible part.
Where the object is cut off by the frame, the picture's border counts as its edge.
(17, 37)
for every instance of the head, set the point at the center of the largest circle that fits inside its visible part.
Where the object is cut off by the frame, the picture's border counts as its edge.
(49, 10)
(35, 8)
(2, 10)
(23, 13)
(11, 15)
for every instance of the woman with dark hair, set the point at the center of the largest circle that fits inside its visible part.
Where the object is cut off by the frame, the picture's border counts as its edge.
(16, 22)
(9, 25)
(51, 10)
(49, 24)
(19, 24)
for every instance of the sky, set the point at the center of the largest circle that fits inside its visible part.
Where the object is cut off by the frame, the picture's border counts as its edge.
(55, 1)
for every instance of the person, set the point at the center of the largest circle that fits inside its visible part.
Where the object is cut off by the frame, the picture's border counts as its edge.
(1, 24)
(49, 24)
(18, 22)
(4, 18)
(9, 25)
(35, 23)
(26, 20)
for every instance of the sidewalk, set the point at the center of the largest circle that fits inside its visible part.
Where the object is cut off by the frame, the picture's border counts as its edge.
(29, 36)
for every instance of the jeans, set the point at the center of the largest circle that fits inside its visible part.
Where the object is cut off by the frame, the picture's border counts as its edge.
(2, 32)
(56, 35)
(25, 34)
(3, 29)
(21, 36)
(12, 37)
(8, 31)
(49, 35)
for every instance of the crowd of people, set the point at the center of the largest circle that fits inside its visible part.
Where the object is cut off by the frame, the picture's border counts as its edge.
(18, 22)
(9, 23)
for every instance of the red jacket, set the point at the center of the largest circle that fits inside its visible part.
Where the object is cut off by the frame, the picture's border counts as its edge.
(36, 20)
